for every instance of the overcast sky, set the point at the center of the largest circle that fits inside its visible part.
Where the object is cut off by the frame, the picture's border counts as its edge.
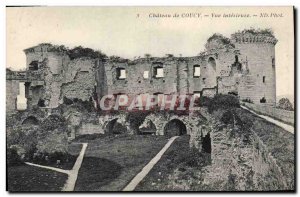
(129, 32)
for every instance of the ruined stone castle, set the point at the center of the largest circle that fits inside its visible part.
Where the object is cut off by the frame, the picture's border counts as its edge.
(243, 65)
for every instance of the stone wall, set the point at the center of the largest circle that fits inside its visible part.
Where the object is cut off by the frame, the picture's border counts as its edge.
(279, 114)
(79, 79)
(178, 76)
(12, 91)
(259, 57)
(223, 60)
(135, 83)
(247, 161)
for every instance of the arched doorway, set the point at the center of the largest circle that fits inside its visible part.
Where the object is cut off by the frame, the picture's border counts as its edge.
(31, 120)
(206, 144)
(175, 127)
(114, 127)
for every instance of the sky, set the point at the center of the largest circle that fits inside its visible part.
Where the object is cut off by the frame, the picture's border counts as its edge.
(131, 32)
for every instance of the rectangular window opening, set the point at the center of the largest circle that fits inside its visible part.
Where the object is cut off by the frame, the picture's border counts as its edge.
(197, 71)
(121, 73)
(158, 72)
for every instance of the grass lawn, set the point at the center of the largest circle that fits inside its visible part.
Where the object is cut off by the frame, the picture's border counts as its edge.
(111, 162)
(177, 165)
(30, 178)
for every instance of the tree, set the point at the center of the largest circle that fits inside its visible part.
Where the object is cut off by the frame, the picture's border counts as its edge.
(147, 55)
(285, 104)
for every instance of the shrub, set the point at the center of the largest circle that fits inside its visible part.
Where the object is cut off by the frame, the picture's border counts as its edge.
(67, 101)
(204, 101)
(285, 104)
(52, 158)
(53, 122)
(24, 137)
(12, 157)
(245, 122)
(247, 100)
(265, 32)
(263, 100)
(228, 117)
(221, 101)
(221, 39)
(53, 141)
(79, 52)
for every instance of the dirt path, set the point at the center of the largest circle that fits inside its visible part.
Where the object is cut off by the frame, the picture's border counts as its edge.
(70, 184)
(49, 168)
(141, 175)
(286, 127)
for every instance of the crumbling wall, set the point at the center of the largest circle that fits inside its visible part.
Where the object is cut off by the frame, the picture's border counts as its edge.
(242, 161)
(56, 56)
(135, 83)
(12, 91)
(79, 80)
(76, 80)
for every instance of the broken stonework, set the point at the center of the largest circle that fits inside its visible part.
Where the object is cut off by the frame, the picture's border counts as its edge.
(79, 80)
(236, 65)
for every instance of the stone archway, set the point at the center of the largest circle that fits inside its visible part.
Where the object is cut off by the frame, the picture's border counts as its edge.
(175, 127)
(212, 63)
(114, 127)
(31, 120)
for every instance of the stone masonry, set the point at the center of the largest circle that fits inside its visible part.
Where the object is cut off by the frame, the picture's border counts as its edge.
(243, 65)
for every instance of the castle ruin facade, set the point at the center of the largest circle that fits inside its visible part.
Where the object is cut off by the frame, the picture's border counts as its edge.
(243, 65)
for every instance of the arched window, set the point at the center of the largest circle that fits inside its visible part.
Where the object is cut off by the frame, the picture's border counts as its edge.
(212, 63)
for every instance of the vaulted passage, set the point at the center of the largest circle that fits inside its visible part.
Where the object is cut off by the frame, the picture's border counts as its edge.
(113, 127)
(175, 127)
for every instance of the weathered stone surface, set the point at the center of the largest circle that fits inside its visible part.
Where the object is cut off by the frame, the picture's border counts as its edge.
(237, 65)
